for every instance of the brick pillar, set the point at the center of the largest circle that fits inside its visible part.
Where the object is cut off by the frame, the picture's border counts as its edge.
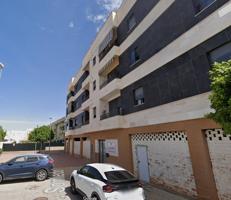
(201, 163)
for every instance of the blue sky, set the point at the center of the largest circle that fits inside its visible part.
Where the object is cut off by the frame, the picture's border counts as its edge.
(42, 43)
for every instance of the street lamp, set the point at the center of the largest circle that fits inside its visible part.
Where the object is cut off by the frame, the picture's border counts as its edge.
(50, 118)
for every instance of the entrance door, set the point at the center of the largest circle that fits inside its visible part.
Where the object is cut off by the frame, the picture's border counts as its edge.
(142, 159)
(102, 153)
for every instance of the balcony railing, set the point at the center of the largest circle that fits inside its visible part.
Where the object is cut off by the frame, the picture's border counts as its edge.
(111, 114)
(108, 80)
(86, 122)
(103, 84)
(71, 94)
(108, 42)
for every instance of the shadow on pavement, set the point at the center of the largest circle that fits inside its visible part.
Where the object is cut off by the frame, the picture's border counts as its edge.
(72, 196)
(18, 181)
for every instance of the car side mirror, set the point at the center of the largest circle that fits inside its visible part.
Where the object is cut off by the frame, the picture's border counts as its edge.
(77, 171)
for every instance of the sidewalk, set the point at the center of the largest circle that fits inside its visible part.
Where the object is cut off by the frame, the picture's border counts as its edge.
(153, 193)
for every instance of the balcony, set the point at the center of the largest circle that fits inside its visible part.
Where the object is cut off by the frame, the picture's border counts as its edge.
(71, 94)
(86, 83)
(87, 66)
(111, 114)
(111, 90)
(85, 105)
(108, 42)
(110, 62)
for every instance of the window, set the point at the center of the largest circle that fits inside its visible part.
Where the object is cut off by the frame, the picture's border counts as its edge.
(202, 4)
(139, 96)
(134, 56)
(41, 158)
(32, 159)
(119, 176)
(220, 54)
(131, 22)
(19, 160)
(94, 173)
(76, 122)
(94, 112)
(94, 61)
(94, 85)
(84, 170)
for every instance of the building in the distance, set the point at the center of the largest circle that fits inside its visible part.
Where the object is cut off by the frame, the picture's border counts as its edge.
(141, 94)
(58, 127)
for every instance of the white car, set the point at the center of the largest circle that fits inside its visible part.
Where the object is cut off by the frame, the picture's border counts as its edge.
(106, 182)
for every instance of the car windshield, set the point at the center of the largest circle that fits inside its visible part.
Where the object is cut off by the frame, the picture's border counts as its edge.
(119, 176)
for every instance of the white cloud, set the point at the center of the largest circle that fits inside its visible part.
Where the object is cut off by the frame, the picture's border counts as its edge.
(96, 18)
(71, 24)
(18, 135)
(107, 6)
(20, 125)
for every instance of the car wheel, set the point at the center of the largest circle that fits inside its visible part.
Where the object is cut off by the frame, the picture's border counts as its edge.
(73, 187)
(1, 178)
(95, 197)
(41, 175)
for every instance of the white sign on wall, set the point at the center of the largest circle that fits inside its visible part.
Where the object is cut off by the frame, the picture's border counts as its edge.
(111, 147)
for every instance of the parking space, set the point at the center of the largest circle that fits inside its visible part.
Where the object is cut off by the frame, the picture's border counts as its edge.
(57, 187)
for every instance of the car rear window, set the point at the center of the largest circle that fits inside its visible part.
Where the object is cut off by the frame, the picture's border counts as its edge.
(41, 158)
(119, 176)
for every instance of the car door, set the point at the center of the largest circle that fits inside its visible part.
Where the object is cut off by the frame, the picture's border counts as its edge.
(15, 168)
(95, 182)
(80, 181)
(31, 165)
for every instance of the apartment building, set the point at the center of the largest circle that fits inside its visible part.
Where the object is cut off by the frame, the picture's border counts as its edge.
(141, 94)
(58, 128)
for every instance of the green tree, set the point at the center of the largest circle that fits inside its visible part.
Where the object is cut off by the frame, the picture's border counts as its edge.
(2, 134)
(220, 98)
(41, 134)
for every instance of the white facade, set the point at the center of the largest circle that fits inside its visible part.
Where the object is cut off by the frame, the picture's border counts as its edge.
(168, 160)
(220, 153)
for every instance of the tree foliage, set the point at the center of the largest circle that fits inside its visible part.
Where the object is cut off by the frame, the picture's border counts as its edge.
(220, 98)
(41, 134)
(2, 134)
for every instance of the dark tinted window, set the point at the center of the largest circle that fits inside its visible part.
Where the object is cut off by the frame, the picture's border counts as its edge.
(139, 96)
(32, 159)
(94, 112)
(94, 84)
(119, 176)
(134, 56)
(220, 54)
(94, 61)
(84, 170)
(202, 4)
(94, 173)
(131, 22)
